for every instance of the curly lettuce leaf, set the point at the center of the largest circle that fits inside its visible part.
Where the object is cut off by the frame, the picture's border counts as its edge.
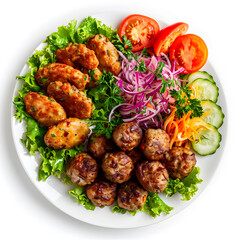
(186, 187)
(79, 193)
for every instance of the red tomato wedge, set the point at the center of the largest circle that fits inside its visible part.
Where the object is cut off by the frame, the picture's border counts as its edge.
(189, 51)
(140, 30)
(166, 37)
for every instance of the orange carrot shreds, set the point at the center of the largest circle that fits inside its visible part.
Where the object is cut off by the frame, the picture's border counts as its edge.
(174, 135)
(184, 130)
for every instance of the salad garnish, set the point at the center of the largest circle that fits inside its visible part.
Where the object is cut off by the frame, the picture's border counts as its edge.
(156, 89)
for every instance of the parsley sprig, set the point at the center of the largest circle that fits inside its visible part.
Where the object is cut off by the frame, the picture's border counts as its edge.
(185, 103)
(105, 97)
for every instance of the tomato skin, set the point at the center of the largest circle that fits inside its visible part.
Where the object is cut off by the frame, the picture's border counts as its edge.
(190, 52)
(166, 37)
(140, 30)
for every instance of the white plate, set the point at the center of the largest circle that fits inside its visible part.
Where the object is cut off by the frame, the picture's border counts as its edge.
(57, 193)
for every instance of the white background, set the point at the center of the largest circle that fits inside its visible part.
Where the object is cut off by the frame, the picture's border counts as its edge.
(25, 213)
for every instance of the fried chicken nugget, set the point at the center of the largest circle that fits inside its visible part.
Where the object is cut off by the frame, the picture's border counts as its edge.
(77, 55)
(67, 134)
(74, 102)
(94, 74)
(63, 73)
(44, 109)
(106, 53)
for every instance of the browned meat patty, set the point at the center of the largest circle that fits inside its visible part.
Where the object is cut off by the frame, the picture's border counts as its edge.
(131, 196)
(179, 162)
(102, 193)
(44, 109)
(155, 143)
(127, 135)
(74, 102)
(98, 145)
(117, 167)
(77, 55)
(136, 155)
(106, 53)
(67, 134)
(152, 175)
(82, 169)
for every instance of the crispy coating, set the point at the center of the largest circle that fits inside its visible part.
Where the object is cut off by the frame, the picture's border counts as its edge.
(102, 193)
(74, 102)
(44, 109)
(127, 135)
(106, 53)
(98, 145)
(63, 73)
(131, 196)
(117, 167)
(77, 55)
(82, 169)
(67, 134)
(94, 74)
(179, 162)
(152, 175)
(155, 143)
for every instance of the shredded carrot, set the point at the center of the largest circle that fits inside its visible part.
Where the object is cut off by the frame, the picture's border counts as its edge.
(149, 105)
(184, 130)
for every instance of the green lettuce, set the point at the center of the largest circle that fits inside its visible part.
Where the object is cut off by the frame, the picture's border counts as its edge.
(153, 206)
(80, 194)
(186, 187)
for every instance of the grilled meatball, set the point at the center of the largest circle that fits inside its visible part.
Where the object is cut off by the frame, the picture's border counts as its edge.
(136, 155)
(152, 175)
(179, 162)
(82, 169)
(67, 134)
(117, 167)
(102, 193)
(127, 135)
(131, 196)
(63, 73)
(74, 102)
(44, 109)
(106, 53)
(99, 145)
(77, 55)
(155, 143)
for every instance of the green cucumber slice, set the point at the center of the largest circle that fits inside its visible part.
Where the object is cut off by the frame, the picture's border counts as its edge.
(210, 141)
(206, 90)
(214, 118)
(199, 74)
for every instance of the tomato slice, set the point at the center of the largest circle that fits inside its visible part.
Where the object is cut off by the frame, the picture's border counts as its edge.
(140, 30)
(166, 37)
(190, 52)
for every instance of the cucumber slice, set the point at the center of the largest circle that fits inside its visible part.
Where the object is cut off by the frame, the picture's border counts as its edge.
(214, 118)
(200, 74)
(210, 141)
(206, 90)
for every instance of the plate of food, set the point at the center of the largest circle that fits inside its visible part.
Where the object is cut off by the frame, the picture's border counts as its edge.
(118, 119)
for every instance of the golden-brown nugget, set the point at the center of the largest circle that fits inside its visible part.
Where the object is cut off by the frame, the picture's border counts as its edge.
(77, 55)
(63, 73)
(44, 109)
(106, 53)
(74, 102)
(94, 75)
(67, 134)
